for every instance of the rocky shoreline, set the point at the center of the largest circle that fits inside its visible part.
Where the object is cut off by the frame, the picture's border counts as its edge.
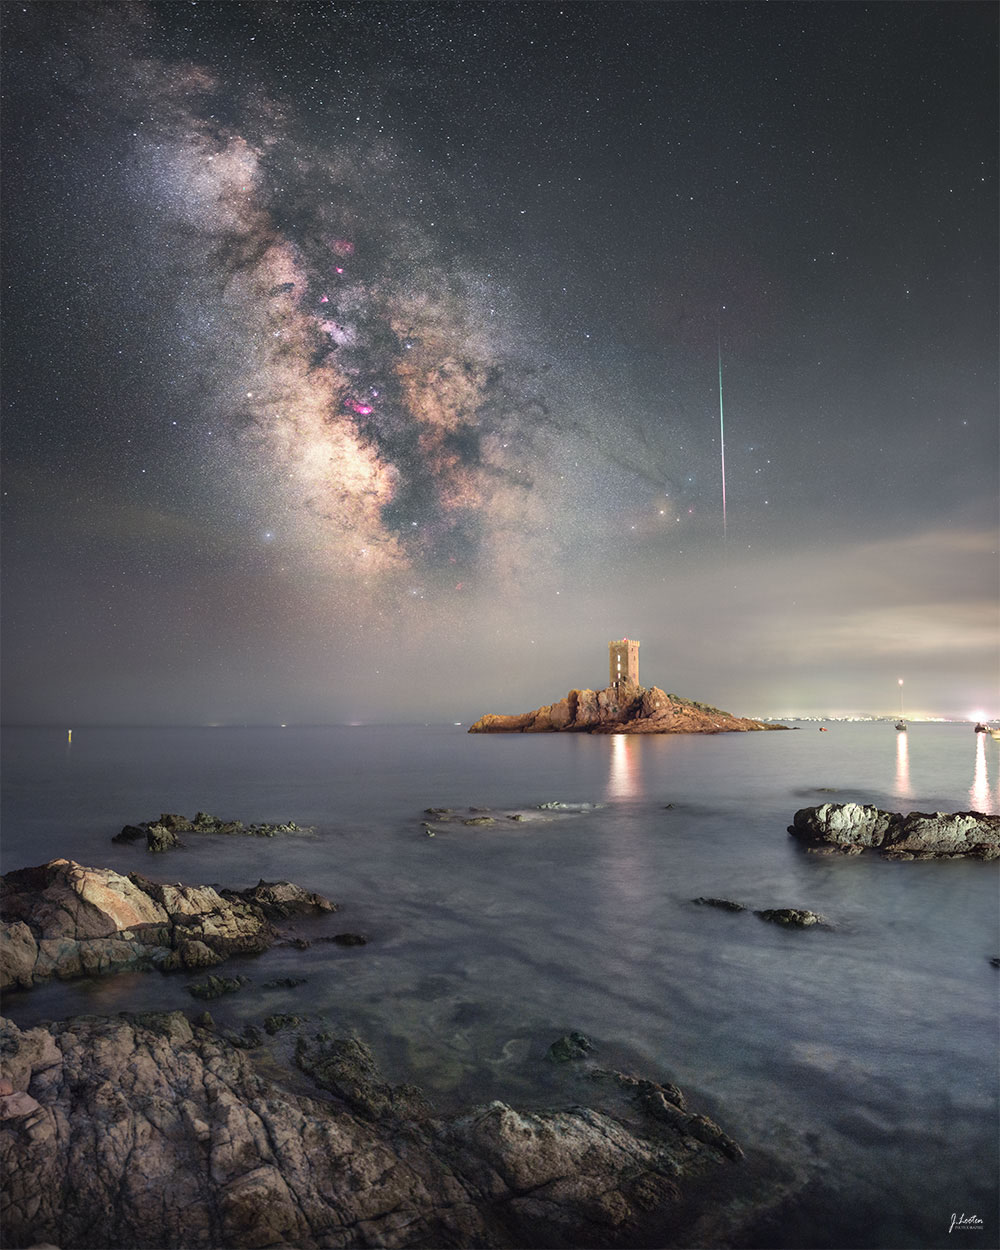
(64, 920)
(163, 1131)
(153, 1131)
(166, 1131)
(632, 710)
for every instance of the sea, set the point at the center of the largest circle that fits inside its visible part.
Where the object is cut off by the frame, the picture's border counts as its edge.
(861, 1058)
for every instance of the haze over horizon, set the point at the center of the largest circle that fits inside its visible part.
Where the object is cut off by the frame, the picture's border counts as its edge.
(361, 362)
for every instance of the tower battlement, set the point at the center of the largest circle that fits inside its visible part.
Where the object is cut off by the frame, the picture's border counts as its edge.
(624, 663)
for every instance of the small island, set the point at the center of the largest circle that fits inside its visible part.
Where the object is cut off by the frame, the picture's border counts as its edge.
(624, 706)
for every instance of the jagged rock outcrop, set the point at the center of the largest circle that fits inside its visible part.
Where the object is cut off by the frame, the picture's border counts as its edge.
(64, 920)
(635, 710)
(161, 834)
(851, 828)
(145, 1132)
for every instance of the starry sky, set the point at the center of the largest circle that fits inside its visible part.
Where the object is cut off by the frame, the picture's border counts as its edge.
(361, 361)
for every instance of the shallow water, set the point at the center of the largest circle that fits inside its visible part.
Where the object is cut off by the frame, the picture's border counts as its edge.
(864, 1054)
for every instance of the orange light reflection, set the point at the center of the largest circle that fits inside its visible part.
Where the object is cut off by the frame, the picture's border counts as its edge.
(623, 774)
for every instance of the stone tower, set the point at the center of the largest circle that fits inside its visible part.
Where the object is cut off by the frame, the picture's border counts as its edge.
(624, 656)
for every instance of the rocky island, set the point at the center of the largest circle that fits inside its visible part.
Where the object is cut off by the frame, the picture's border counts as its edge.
(633, 710)
(622, 707)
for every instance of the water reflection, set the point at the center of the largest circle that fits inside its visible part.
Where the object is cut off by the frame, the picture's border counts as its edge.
(903, 790)
(623, 775)
(979, 793)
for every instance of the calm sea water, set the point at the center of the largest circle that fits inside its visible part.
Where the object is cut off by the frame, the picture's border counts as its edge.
(863, 1056)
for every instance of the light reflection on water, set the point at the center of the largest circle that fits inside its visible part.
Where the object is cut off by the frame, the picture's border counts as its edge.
(867, 1048)
(979, 793)
(624, 779)
(903, 790)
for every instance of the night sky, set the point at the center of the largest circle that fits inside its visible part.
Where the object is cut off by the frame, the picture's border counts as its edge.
(361, 361)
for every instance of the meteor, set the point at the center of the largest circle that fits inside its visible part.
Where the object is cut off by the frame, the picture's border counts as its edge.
(722, 442)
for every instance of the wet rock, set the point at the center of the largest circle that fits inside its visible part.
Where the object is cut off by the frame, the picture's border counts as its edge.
(349, 939)
(792, 917)
(160, 838)
(572, 1046)
(280, 899)
(557, 805)
(175, 823)
(249, 1039)
(216, 987)
(725, 904)
(130, 833)
(63, 919)
(284, 983)
(347, 1068)
(855, 827)
(161, 834)
(445, 820)
(121, 1126)
(278, 1021)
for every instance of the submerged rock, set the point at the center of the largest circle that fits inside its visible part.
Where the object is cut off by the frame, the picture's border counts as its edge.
(793, 917)
(479, 817)
(215, 987)
(279, 1021)
(64, 920)
(726, 904)
(633, 710)
(855, 827)
(143, 1130)
(572, 1046)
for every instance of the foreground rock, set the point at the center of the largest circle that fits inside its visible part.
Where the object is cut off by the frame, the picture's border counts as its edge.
(145, 1131)
(62, 919)
(635, 710)
(161, 834)
(853, 827)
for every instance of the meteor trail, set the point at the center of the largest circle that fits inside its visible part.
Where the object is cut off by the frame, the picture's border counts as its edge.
(722, 441)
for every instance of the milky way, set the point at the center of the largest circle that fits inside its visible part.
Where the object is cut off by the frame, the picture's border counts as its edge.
(378, 401)
(363, 326)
